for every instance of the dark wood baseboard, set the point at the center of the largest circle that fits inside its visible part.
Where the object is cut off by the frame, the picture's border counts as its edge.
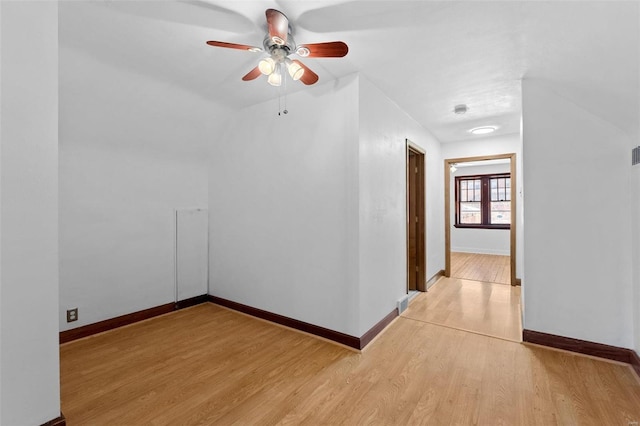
(435, 278)
(583, 347)
(109, 324)
(635, 362)
(192, 301)
(336, 336)
(58, 421)
(377, 329)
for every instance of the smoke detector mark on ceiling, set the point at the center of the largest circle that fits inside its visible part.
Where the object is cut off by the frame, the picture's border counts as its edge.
(460, 109)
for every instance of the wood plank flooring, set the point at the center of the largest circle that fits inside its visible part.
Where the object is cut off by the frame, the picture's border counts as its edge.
(481, 267)
(207, 365)
(481, 307)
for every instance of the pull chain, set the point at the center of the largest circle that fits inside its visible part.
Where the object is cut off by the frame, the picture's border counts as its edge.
(282, 89)
(279, 96)
(284, 77)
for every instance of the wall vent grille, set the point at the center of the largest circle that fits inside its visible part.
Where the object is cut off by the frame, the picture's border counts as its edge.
(403, 304)
(635, 156)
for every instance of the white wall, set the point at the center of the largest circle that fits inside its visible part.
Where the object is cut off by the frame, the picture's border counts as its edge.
(467, 240)
(132, 149)
(29, 368)
(490, 145)
(307, 210)
(578, 239)
(283, 207)
(384, 127)
(635, 215)
(1, 126)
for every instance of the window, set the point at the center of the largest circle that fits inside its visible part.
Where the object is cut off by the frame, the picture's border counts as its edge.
(483, 201)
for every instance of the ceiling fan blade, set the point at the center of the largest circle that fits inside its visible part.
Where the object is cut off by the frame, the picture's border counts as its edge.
(278, 26)
(252, 75)
(234, 46)
(331, 49)
(309, 77)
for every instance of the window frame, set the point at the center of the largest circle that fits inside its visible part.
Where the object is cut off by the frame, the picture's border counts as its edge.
(485, 201)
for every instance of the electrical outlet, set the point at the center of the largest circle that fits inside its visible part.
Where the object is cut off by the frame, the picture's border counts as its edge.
(72, 315)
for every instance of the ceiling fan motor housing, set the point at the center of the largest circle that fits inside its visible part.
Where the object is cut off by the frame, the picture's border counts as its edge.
(278, 51)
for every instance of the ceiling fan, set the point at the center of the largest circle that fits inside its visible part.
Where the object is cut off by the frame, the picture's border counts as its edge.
(279, 44)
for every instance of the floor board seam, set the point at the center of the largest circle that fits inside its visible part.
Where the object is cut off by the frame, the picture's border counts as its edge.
(461, 329)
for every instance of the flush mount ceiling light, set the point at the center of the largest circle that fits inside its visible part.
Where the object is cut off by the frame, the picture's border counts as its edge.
(483, 130)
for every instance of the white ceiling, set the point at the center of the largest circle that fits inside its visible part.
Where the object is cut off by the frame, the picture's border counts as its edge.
(427, 56)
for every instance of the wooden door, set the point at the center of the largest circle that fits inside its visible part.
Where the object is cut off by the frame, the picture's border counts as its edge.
(412, 222)
(416, 241)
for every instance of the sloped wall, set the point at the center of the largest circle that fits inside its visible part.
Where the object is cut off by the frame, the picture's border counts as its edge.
(132, 150)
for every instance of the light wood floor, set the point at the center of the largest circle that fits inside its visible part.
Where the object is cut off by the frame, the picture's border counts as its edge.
(481, 307)
(489, 268)
(207, 365)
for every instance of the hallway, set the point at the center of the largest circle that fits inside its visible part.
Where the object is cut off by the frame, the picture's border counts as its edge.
(479, 307)
(481, 267)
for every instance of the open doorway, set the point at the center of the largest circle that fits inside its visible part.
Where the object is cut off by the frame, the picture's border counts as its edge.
(480, 199)
(416, 251)
(466, 304)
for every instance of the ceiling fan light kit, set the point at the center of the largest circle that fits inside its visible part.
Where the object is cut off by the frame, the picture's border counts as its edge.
(267, 66)
(279, 44)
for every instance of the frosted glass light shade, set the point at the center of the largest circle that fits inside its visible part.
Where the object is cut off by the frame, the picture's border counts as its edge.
(267, 66)
(275, 78)
(295, 70)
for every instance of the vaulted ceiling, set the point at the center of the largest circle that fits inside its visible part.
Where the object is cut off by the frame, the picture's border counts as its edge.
(427, 56)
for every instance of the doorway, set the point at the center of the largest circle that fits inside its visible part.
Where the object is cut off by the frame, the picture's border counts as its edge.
(454, 162)
(416, 250)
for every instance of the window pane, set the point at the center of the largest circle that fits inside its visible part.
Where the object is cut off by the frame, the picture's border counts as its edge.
(503, 191)
(470, 213)
(507, 195)
(500, 212)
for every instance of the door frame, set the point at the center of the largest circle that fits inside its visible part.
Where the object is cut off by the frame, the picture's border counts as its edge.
(447, 208)
(421, 250)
